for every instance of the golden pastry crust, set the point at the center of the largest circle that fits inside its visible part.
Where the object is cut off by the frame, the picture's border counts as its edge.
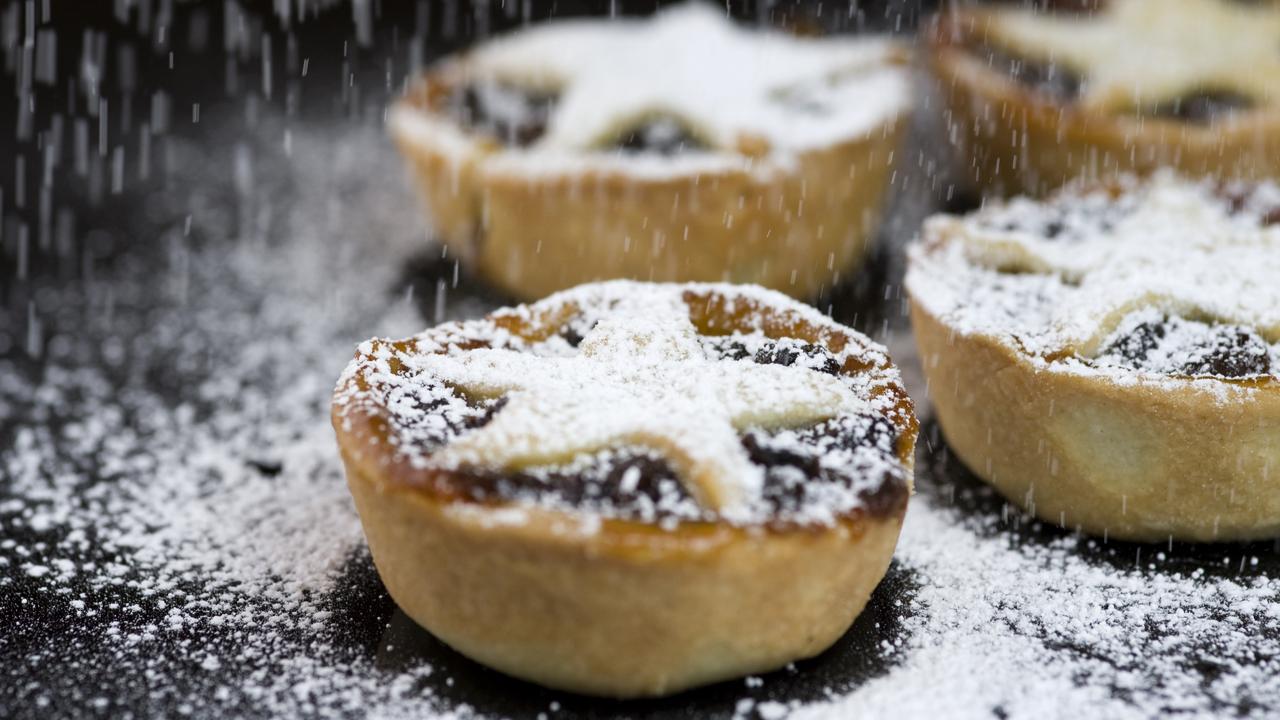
(1017, 333)
(609, 606)
(796, 225)
(1129, 462)
(1013, 139)
(625, 612)
(798, 233)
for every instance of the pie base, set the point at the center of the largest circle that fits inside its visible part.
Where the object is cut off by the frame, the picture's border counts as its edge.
(796, 230)
(625, 610)
(1009, 139)
(1142, 462)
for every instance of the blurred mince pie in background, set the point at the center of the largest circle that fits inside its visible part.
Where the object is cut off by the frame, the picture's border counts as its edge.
(1037, 96)
(685, 148)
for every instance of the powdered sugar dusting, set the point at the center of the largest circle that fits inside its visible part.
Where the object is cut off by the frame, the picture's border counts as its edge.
(1013, 620)
(730, 85)
(692, 62)
(641, 376)
(1057, 279)
(174, 485)
(1136, 52)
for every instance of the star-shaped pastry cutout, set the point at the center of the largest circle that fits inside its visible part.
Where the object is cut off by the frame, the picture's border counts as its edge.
(733, 87)
(1175, 250)
(1142, 52)
(640, 378)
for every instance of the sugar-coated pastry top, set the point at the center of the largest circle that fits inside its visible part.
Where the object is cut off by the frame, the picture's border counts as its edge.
(1143, 281)
(690, 80)
(1154, 53)
(665, 402)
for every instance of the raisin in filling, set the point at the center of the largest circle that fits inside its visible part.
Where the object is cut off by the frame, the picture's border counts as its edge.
(1202, 107)
(631, 484)
(1069, 220)
(786, 353)
(575, 331)
(636, 484)
(797, 478)
(803, 468)
(513, 115)
(1172, 345)
(1262, 202)
(1052, 79)
(431, 416)
(659, 136)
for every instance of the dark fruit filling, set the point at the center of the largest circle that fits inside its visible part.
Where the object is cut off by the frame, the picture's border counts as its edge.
(660, 136)
(1185, 347)
(1064, 85)
(786, 352)
(432, 421)
(796, 477)
(818, 358)
(1069, 220)
(575, 332)
(513, 115)
(634, 483)
(1202, 107)
(1052, 79)
(628, 482)
(1242, 198)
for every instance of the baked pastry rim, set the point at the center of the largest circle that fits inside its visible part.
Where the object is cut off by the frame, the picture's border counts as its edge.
(1209, 431)
(472, 583)
(727, 600)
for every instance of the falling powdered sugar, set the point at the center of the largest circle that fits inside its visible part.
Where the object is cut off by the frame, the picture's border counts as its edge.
(173, 484)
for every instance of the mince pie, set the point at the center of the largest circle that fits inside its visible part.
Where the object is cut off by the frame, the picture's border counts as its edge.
(1110, 358)
(1036, 98)
(629, 489)
(678, 148)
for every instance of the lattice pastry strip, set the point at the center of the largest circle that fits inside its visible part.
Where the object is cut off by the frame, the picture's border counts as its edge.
(1136, 53)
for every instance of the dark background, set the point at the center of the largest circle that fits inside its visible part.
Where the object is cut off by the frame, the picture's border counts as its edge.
(70, 165)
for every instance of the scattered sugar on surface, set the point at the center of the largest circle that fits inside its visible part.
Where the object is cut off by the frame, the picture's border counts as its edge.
(193, 486)
(1007, 629)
